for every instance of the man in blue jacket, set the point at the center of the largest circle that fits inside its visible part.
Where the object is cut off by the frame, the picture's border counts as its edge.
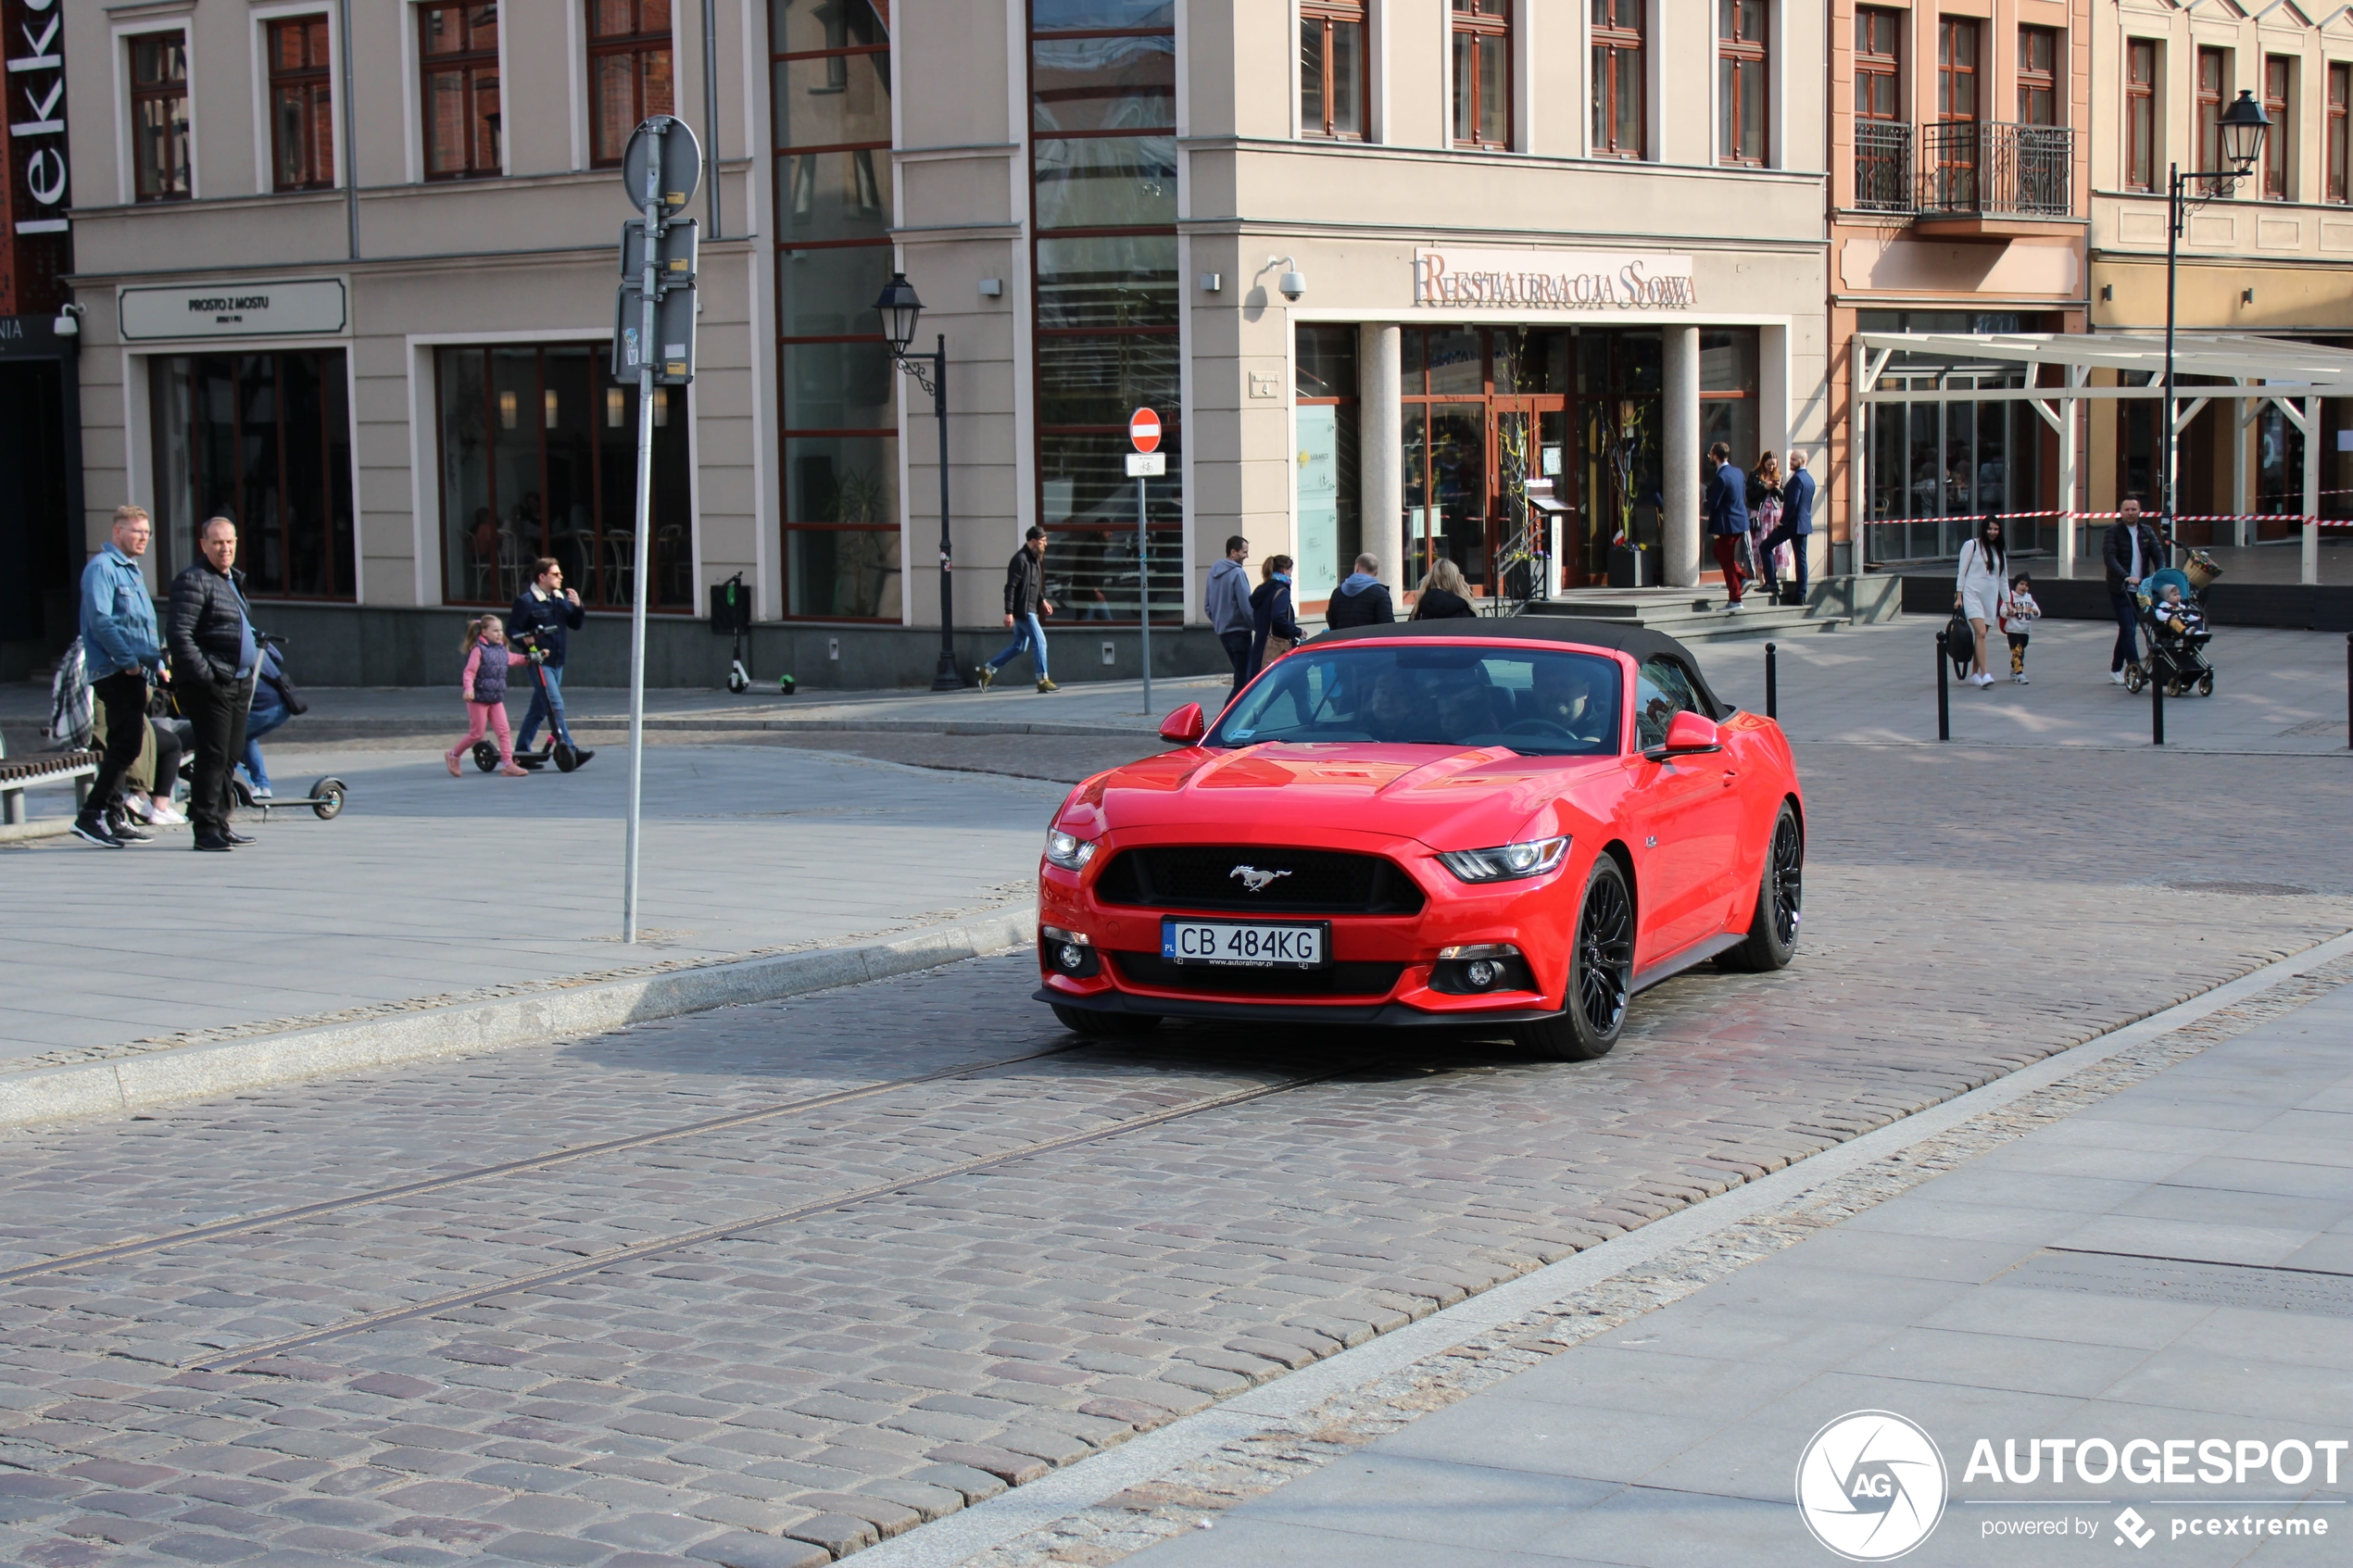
(121, 651)
(1728, 520)
(548, 612)
(1797, 525)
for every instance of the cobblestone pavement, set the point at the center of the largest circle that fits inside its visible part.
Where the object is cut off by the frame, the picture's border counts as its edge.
(797, 1390)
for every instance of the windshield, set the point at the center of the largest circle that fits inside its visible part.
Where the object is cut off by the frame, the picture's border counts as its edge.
(1537, 702)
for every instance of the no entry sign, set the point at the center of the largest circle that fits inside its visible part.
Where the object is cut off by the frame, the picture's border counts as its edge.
(1143, 429)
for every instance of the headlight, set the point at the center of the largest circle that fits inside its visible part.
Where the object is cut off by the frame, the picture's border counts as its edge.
(1507, 862)
(1068, 851)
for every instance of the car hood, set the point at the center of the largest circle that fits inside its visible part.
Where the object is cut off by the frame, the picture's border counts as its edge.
(1447, 797)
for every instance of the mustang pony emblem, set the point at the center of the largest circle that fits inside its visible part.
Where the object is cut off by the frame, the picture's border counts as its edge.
(1253, 879)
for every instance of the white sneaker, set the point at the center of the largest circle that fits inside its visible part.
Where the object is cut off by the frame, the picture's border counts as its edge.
(1733, 608)
(2115, 677)
(2021, 680)
(166, 815)
(140, 805)
(263, 793)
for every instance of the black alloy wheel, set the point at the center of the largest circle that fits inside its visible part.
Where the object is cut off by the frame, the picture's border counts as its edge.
(1780, 895)
(1600, 973)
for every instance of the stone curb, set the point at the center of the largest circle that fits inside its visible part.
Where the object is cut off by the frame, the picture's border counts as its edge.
(40, 827)
(123, 1085)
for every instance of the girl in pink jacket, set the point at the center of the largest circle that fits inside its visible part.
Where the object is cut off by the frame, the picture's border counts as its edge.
(487, 661)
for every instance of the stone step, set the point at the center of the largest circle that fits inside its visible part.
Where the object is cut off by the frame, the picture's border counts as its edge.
(1694, 616)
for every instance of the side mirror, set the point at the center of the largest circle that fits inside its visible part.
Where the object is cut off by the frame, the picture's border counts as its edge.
(1688, 735)
(1184, 727)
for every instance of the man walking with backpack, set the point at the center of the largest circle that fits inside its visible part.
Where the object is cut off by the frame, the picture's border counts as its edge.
(1024, 600)
(121, 653)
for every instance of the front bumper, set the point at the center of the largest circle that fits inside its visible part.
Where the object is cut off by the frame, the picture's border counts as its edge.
(1383, 1015)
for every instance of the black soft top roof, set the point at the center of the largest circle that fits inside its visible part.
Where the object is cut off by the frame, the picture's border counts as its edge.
(1638, 642)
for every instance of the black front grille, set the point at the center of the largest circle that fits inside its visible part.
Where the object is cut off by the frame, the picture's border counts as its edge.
(1337, 980)
(1320, 882)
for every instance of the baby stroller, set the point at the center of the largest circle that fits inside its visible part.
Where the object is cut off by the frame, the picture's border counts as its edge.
(2177, 633)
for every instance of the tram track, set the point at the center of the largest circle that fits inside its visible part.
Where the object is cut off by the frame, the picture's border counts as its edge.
(487, 1291)
(269, 1219)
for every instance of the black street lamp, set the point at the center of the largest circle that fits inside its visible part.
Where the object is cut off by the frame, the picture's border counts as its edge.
(2243, 127)
(899, 308)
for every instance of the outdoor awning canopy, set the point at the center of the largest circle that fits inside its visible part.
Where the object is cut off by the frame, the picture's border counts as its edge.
(2280, 366)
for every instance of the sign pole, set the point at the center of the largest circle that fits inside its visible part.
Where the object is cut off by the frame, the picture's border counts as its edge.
(650, 199)
(1144, 593)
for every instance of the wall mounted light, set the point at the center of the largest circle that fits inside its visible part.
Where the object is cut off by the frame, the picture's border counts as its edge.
(507, 409)
(992, 288)
(2246, 296)
(2107, 291)
(1211, 283)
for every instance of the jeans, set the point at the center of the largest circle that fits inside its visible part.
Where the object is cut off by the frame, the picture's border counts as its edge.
(265, 716)
(217, 710)
(548, 705)
(124, 696)
(2128, 630)
(1728, 555)
(1237, 646)
(1029, 634)
(1796, 543)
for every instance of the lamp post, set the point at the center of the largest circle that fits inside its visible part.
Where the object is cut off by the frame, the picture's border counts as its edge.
(899, 308)
(2243, 127)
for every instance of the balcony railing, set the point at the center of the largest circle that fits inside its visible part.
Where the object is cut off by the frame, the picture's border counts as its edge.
(1973, 169)
(1883, 166)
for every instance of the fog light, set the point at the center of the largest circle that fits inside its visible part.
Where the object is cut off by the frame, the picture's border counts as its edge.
(1482, 973)
(1070, 954)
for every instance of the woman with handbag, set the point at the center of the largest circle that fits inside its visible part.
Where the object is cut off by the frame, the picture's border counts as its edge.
(1273, 631)
(1981, 584)
(1764, 515)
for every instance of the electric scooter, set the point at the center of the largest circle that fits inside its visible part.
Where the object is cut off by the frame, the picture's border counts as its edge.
(560, 750)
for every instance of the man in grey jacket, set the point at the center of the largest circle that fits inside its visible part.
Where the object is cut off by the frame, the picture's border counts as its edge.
(1228, 602)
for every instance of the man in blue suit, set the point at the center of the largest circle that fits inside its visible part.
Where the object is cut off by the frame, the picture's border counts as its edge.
(1797, 524)
(1726, 519)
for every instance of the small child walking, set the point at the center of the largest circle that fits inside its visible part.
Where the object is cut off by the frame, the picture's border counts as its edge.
(487, 661)
(2019, 617)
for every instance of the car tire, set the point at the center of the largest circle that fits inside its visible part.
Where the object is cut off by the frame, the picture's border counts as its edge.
(1780, 888)
(1089, 1024)
(1601, 971)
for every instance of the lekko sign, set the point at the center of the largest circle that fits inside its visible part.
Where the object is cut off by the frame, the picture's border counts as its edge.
(1456, 278)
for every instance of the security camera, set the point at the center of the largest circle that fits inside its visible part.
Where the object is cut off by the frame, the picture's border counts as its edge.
(1293, 282)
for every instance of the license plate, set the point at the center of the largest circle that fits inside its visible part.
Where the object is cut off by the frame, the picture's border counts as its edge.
(1252, 945)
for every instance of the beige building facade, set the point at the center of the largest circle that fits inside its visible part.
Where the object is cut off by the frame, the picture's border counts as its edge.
(1477, 279)
(2273, 258)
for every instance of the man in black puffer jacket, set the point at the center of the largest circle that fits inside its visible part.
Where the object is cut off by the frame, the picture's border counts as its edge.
(214, 655)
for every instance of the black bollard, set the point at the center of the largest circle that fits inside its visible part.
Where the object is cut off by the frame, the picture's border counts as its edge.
(1773, 682)
(2156, 703)
(2348, 690)
(1943, 699)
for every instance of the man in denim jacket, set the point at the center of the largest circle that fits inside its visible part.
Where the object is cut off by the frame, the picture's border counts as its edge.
(119, 651)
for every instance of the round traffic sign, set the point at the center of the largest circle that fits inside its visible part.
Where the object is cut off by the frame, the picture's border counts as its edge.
(1143, 429)
(672, 140)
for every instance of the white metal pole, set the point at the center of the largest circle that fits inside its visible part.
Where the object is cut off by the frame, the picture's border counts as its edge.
(645, 350)
(1144, 593)
(2311, 566)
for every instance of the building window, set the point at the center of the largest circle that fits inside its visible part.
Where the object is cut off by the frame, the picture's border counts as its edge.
(1617, 77)
(1334, 84)
(1331, 522)
(2038, 55)
(2140, 114)
(1949, 153)
(159, 116)
(2340, 91)
(1879, 64)
(539, 459)
(265, 441)
(628, 72)
(459, 47)
(1104, 165)
(302, 140)
(2213, 71)
(2279, 78)
(1740, 80)
(1482, 73)
(1956, 68)
(831, 70)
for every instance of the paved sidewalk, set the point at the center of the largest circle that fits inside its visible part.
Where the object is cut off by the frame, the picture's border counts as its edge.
(429, 886)
(2173, 1262)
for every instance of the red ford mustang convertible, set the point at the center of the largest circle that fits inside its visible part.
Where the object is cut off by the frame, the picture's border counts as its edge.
(1511, 824)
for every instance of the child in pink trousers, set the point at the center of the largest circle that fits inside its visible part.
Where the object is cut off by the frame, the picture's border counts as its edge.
(487, 661)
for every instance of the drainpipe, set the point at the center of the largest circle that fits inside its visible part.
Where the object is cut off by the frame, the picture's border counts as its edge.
(350, 142)
(710, 111)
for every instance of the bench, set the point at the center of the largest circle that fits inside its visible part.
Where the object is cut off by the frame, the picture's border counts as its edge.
(18, 776)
